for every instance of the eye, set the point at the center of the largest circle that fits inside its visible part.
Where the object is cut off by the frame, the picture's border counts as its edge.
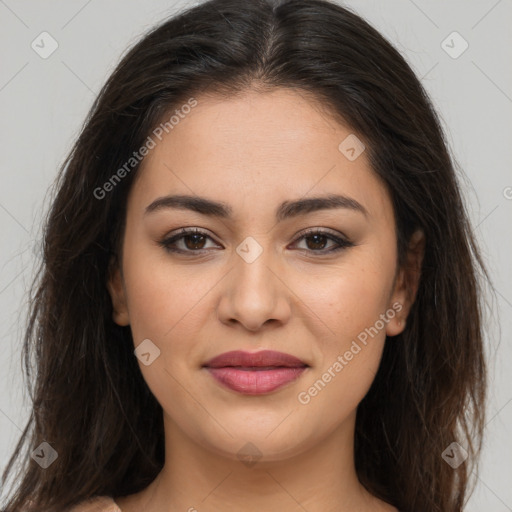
(194, 240)
(318, 240)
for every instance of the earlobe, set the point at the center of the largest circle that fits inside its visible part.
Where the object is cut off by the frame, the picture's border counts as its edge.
(407, 283)
(117, 293)
(396, 325)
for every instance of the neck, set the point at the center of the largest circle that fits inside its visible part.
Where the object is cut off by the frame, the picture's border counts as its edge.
(195, 478)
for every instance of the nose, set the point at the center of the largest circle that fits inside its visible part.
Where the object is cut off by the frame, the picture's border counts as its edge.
(254, 294)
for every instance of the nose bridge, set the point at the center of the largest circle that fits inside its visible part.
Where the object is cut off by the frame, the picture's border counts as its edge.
(253, 278)
(255, 293)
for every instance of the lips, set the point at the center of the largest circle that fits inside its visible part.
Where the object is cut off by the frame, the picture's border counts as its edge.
(255, 373)
(255, 360)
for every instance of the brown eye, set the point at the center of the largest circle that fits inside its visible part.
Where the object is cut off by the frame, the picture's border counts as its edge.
(194, 240)
(316, 241)
(191, 240)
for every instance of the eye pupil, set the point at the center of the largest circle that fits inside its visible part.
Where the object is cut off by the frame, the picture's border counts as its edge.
(189, 246)
(316, 237)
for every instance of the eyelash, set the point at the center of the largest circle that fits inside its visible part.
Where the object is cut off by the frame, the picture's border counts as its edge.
(185, 232)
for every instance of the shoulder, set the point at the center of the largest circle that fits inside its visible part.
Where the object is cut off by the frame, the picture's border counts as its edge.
(97, 504)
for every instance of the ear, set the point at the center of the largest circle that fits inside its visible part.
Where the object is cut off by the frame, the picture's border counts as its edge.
(116, 289)
(406, 283)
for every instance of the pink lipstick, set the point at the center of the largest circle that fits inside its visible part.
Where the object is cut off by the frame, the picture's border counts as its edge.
(255, 373)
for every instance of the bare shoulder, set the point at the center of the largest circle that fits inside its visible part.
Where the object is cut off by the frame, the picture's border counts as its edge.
(96, 504)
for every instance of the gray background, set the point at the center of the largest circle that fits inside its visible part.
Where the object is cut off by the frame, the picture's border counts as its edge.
(44, 102)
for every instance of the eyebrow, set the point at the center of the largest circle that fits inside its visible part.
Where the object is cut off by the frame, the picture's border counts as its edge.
(286, 210)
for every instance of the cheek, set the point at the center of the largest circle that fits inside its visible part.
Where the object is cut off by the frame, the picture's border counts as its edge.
(165, 307)
(351, 302)
(349, 357)
(162, 297)
(348, 299)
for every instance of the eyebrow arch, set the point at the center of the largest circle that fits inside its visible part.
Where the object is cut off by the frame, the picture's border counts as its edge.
(286, 210)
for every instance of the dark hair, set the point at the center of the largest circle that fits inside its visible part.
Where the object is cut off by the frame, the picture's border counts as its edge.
(90, 401)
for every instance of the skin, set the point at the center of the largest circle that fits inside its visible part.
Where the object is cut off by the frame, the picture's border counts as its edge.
(252, 152)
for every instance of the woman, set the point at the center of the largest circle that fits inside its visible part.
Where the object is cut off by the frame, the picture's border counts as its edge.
(259, 288)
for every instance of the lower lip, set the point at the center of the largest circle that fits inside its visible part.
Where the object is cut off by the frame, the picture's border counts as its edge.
(255, 382)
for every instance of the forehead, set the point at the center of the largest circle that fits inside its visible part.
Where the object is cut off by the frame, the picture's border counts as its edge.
(256, 147)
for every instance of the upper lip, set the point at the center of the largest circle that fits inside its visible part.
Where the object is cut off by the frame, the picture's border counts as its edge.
(261, 358)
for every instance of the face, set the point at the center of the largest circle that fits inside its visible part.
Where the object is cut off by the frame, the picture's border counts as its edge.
(316, 280)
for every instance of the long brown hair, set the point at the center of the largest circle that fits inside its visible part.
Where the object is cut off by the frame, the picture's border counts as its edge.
(90, 402)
